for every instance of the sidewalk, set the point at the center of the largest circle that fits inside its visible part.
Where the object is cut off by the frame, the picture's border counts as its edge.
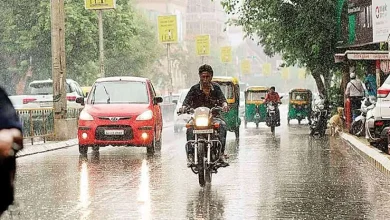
(40, 146)
(373, 155)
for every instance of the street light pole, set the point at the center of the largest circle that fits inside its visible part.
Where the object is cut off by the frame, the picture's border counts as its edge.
(58, 59)
(101, 43)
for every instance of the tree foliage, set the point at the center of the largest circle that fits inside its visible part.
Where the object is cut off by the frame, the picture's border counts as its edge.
(303, 31)
(130, 41)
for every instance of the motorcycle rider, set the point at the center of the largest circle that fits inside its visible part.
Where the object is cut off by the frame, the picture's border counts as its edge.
(207, 94)
(273, 96)
(11, 141)
(355, 92)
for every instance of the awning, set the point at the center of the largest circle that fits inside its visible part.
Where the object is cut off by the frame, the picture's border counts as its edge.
(362, 55)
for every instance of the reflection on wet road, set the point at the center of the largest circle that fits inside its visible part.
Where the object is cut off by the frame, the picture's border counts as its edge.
(287, 176)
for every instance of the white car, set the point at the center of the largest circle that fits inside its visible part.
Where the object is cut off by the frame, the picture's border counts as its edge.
(380, 121)
(180, 121)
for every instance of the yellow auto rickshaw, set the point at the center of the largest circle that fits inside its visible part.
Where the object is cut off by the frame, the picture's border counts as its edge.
(255, 108)
(299, 106)
(231, 89)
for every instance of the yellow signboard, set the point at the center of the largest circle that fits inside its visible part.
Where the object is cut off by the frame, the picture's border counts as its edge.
(167, 29)
(285, 73)
(266, 69)
(100, 4)
(302, 73)
(226, 54)
(245, 67)
(202, 45)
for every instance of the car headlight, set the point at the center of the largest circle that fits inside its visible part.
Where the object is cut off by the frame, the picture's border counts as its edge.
(84, 115)
(202, 122)
(145, 116)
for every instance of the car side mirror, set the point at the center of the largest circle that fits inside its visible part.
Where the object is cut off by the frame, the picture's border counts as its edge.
(80, 100)
(174, 101)
(158, 100)
(281, 97)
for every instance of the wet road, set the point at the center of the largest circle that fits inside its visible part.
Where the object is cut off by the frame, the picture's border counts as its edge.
(289, 176)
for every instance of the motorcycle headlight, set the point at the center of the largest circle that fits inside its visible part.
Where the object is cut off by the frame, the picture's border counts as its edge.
(84, 115)
(321, 107)
(272, 107)
(145, 116)
(201, 121)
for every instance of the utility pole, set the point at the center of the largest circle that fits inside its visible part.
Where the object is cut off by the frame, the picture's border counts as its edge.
(101, 43)
(58, 59)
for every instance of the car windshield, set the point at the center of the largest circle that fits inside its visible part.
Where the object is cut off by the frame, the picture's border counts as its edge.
(227, 89)
(43, 88)
(183, 96)
(300, 96)
(118, 92)
(256, 95)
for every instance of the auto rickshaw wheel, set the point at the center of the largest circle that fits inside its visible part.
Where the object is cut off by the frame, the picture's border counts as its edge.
(245, 124)
(288, 120)
(299, 121)
(257, 124)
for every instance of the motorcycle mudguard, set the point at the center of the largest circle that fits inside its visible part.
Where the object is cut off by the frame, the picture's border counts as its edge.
(359, 118)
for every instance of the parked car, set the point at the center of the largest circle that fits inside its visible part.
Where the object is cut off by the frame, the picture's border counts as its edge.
(121, 111)
(180, 120)
(378, 125)
(40, 95)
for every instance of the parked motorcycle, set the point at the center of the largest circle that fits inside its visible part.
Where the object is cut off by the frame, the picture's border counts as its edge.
(359, 124)
(205, 149)
(271, 115)
(319, 119)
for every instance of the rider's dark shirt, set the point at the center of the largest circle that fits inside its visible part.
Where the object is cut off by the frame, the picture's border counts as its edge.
(8, 117)
(197, 98)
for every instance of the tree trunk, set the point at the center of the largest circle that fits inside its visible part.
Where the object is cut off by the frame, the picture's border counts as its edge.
(320, 84)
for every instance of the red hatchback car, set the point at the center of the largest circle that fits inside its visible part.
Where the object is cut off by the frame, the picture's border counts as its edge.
(120, 111)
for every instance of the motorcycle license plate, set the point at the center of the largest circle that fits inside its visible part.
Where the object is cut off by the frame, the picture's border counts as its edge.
(207, 131)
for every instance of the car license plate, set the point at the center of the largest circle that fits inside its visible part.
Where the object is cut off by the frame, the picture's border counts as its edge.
(208, 131)
(114, 132)
(45, 104)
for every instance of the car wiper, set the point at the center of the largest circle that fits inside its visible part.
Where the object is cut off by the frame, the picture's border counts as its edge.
(108, 96)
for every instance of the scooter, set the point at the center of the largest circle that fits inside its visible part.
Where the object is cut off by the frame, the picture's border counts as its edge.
(359, 124)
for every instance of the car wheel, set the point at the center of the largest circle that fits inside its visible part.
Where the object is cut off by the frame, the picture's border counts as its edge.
(83, 149)
(152, 147)
(95, 148)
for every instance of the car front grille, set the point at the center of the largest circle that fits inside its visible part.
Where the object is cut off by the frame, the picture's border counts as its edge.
(100, 135)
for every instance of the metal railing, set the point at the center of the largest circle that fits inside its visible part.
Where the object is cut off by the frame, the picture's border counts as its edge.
(39, 122)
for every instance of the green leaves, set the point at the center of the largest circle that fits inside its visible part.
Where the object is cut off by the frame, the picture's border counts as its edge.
(130, 40)
(303, 31)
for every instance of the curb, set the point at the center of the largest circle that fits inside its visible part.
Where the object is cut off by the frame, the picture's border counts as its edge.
(374, 156)
(40, 148)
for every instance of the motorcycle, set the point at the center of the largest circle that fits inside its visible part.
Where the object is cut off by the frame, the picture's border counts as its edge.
(319, 119)
(205, 149)
(359, 124)
(271, 115)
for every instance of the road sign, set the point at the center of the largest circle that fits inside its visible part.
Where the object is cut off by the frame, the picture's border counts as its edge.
(167, 29)
(245, 67)
(202, 45)
(301, 73)
(226, 54)
(100, 4)
(285, 73)
(266, 69)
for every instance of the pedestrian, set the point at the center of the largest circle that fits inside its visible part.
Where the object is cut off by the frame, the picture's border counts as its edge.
(11, 141)
(355, 91)
(370, 83)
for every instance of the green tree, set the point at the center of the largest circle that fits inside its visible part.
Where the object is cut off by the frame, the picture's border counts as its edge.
(303, 31)
(130, 40)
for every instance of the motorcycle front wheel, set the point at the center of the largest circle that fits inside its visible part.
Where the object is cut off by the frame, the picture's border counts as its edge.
(201, 164)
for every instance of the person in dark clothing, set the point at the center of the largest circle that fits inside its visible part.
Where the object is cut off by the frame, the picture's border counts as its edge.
(207, 94)
(11, 141)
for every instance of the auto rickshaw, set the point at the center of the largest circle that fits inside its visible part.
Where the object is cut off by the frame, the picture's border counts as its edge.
(255, 108)
(231, 89)
(299, 106)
